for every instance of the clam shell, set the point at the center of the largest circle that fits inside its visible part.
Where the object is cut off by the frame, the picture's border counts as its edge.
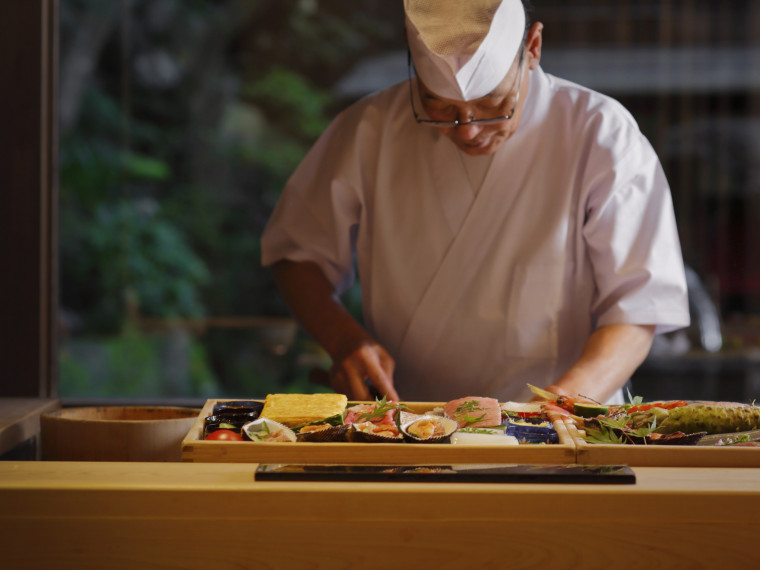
(330, 433)
(405, 417)
(429, 429)
(368, 432)
(264, 430)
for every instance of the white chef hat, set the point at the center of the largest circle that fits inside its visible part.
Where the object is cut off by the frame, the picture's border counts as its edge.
(462, 49)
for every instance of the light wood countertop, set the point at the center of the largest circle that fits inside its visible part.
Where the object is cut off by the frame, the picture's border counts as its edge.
(205, 515)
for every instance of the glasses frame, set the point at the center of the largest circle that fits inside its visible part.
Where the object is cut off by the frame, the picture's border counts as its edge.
(456, 122)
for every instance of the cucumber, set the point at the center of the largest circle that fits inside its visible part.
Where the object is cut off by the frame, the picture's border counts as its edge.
(590, 410)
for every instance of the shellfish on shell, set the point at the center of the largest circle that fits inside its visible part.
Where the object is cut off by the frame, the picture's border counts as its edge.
(370, 432)
(429, 429)
(264, 430)
(323, 433)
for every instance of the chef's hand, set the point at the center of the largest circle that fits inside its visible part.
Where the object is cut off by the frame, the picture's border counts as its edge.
(558, 391)
(356, 355)
(368, 360)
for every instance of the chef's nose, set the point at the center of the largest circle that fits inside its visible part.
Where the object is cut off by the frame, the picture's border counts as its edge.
(468, 130)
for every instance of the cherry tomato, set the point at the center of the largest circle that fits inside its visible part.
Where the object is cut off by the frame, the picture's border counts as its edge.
(224, 435)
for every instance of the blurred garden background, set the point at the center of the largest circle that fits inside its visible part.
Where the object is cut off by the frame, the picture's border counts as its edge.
(180, 121)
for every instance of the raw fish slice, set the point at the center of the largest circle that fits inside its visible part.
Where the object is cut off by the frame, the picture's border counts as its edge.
(474, 411)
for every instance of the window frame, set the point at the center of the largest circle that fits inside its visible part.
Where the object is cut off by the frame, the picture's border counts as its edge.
(28, 218)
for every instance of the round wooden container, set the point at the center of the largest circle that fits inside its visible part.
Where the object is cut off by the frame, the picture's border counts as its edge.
(115, 433)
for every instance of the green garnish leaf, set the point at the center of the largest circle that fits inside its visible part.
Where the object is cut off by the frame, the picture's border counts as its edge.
(468, 406)
(462, 413)
(602, 435)
(489, 430)
(635, 401)
(471, 420)
(381, 408)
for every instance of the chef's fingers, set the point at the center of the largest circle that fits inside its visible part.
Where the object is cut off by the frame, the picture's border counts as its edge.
(357, 389)
(345, 380)
(377, 367)
(368, 364)
(380, 374)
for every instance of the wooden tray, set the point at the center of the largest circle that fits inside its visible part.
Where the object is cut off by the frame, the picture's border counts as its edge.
(195, 449)
(661, 455)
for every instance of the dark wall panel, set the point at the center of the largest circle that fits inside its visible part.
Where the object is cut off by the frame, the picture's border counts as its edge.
(28, 181)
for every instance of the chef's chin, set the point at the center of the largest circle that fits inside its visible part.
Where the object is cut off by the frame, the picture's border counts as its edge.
(486, 147)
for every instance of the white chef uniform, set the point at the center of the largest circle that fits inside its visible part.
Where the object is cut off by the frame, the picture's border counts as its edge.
(481, 290)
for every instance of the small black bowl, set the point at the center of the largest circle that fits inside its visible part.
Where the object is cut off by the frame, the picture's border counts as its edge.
(238, 407)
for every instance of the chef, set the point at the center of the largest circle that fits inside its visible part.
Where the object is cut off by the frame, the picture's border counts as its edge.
(508, 227)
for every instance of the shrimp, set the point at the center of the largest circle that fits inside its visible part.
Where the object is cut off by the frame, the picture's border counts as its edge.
(557, 407)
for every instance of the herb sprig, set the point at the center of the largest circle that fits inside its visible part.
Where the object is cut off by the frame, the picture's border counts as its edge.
(382, 407)
(462, 413)
(617, 430)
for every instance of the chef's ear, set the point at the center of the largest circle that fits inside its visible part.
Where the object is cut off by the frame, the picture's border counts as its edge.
(533, 44)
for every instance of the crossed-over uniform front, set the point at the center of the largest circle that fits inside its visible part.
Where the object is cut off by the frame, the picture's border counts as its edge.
(479, 289)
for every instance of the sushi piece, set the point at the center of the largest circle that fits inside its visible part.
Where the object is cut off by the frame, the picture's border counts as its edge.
(378, 412)
(474, 412)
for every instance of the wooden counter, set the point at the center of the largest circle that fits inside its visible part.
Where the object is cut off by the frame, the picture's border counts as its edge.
(211, 515)
(20, 419)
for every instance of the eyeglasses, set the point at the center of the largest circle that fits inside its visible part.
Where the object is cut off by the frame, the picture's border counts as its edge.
(473, 121)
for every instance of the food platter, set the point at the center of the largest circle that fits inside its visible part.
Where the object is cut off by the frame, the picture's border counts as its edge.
(196, 449)
(661, 455)
(665, 433)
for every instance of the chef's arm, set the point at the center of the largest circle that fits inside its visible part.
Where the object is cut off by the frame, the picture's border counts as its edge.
(610, 356)
(355, 354)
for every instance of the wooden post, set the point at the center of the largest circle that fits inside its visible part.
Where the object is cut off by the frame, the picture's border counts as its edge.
(28, 188)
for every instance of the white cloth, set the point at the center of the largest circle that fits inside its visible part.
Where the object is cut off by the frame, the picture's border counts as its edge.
(572, 229)
(463, 50)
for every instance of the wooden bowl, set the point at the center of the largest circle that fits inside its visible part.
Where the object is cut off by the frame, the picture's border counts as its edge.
(115, 433)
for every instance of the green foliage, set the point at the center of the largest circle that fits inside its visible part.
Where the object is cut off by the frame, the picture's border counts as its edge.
(138, 166)
(618, 430)
(288, 94)
(164, 184)
(602, 434)
(133, 254)
(135, 364)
